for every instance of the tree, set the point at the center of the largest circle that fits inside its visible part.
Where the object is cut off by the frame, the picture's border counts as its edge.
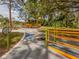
(42, 8)
(4, 21)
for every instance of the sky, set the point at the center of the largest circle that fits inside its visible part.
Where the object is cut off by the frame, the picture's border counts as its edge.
(5, 12)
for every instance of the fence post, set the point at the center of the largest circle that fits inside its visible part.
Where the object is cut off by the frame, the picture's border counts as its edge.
(46, 37)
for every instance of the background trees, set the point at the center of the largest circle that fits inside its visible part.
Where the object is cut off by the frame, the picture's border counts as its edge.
(49, 12)
(4, 21)
(57, 12)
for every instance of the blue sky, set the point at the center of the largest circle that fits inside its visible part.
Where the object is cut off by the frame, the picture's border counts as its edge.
(5, 12)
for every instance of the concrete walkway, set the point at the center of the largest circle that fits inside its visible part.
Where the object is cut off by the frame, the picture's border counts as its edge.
(27, 51)
(32, 50)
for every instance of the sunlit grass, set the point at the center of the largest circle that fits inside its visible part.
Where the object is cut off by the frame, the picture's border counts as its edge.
(13, 38)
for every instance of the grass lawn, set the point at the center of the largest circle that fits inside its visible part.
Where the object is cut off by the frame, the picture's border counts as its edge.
(13, 39)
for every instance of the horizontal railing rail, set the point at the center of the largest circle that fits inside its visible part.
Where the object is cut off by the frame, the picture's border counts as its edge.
(61, 34)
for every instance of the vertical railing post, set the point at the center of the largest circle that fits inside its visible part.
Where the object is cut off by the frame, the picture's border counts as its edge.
(54, 36)
(46, 37)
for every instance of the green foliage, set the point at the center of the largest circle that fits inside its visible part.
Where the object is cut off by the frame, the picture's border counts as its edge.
(59, 8)
(4, 21)
(12, 37)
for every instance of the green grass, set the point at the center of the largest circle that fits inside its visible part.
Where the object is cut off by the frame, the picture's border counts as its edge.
(12, 39)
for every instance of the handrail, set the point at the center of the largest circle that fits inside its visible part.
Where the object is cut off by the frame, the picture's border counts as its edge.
(66, 38)
(65, 29)
(62, 30)
(67, 32)
(57, 31)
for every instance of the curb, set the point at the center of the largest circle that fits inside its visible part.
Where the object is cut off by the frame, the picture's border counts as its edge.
(7, 53)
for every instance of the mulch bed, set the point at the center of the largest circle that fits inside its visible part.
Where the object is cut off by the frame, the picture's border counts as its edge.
(3, 51)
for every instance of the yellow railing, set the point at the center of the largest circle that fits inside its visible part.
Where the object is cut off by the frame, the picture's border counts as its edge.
(55, 31)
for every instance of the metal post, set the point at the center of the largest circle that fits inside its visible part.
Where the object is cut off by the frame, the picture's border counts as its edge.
(46, 37)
